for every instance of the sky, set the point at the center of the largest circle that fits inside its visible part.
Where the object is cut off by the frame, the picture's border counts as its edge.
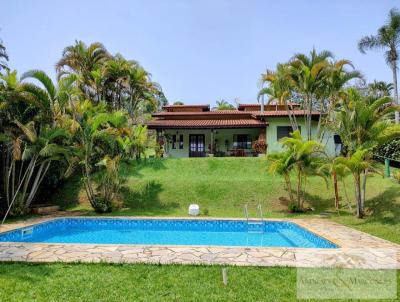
(200, 51)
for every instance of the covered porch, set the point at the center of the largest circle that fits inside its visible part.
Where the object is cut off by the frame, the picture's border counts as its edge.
(219, 142)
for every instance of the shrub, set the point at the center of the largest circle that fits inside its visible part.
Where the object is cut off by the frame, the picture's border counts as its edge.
(390, 150)
(260, 146)
(102, 205)
(293, 208)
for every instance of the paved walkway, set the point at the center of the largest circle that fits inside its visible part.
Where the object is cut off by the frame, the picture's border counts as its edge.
(357, 250)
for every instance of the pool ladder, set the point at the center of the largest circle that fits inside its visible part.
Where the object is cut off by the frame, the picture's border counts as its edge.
(254, 226)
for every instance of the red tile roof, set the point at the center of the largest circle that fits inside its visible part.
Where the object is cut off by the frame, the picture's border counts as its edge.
(206, 123)
(232, 112)
(186, 106)
(192, 113)
(273, 113)
(271, 104)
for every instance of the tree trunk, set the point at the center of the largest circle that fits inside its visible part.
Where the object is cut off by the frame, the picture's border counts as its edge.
(396, 92)
(363, 188)
(299, 189)
(289, 187)
(335, 186)
(360, 210)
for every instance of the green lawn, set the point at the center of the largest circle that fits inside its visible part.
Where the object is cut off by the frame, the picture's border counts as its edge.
(107, 282)
(224, 185)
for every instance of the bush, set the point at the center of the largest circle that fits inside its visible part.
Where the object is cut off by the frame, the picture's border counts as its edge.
(260, 146)
(102, 205)
(294, 208)
(390, 150)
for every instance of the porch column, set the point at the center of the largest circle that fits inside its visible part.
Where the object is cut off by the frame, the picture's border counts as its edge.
(212, 142)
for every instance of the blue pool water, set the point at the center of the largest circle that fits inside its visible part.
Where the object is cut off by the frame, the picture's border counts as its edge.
(168, 232)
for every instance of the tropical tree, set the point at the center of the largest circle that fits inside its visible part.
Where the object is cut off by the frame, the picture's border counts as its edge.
(224, 105)
(308, 76)
(96, 140)
(282, 164)
(28, 159)
(3, 56)
(380, 89)
(279, 90)
(300, 157)
(362, 123)
(335, 170)
(178, 103)
(315, 81)
(357, 164)
(387, 38)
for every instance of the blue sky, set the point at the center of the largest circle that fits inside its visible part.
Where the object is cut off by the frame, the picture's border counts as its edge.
(199, 51)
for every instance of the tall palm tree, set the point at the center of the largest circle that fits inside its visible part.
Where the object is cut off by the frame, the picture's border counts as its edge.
(3, 56)
(308, 75)
(362, 123)
(82, 60)
(388, 38)
(380, 88)
(279, 89)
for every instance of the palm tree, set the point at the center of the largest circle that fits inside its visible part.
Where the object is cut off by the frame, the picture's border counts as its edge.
(282, 164)
(3, 56)
(298, 156)
(279, 90)
(96, 138)
(362, 123)
(388, 38)
(81, 59)
(28, 159)
(308, 76)
(380, 88)
(332, 168)
(357, 164)
(224, 105)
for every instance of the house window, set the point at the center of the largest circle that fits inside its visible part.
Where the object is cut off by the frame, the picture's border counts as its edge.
(284, 131)
(241, 141)
(174, 141)
(181, 141)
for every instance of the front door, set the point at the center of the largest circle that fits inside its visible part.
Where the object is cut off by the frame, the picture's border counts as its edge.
(197, 145)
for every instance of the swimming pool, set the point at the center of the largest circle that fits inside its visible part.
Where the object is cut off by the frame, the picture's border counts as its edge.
(168, 232)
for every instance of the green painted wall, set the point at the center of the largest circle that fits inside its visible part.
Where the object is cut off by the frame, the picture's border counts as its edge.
(273, 144)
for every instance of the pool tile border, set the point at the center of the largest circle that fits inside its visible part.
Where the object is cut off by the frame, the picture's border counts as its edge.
(356, 249)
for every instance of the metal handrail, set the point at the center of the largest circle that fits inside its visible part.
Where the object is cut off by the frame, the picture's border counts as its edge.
(260, 212)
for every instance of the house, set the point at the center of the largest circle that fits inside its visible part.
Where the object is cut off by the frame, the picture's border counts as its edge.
(197, 131)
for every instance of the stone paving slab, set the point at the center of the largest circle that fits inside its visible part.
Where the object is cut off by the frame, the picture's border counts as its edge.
(356, 250)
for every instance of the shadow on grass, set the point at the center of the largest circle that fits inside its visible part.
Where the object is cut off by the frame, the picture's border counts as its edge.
(133, 167)
(146, 200)
(384, 207)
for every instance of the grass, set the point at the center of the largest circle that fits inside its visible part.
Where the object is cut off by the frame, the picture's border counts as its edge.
(111, 282)
(224, 185)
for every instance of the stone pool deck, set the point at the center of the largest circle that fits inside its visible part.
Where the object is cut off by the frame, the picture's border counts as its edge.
(356, 250)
